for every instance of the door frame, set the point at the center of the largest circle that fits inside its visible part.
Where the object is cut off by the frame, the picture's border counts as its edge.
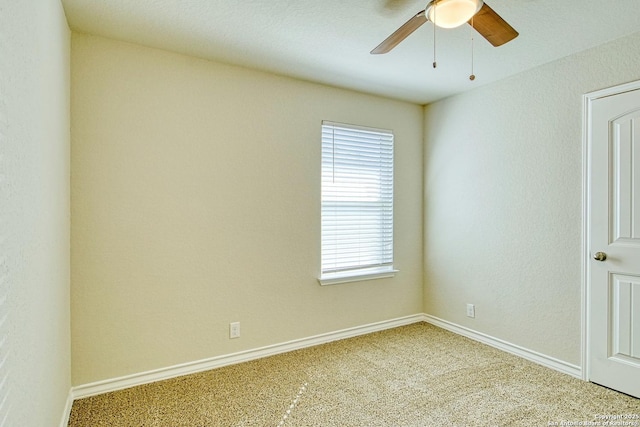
(587, 100)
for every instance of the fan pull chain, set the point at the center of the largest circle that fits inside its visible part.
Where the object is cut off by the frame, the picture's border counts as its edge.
(472, 77)
(435, 11)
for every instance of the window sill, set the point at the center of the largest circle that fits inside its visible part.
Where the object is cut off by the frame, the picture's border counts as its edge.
(337, 278)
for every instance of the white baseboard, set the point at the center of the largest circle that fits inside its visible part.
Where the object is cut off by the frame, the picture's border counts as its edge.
(120, 383)
(64, 422)
(534, 356)
(133, 380)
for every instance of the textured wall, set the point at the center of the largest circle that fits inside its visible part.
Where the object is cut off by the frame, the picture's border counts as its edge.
(34, 213)
(503, 187)
(195, 203)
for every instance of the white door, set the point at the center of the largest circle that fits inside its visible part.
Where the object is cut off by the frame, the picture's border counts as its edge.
(613, 239)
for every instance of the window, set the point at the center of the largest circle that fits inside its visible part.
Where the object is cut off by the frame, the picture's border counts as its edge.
(357, 203)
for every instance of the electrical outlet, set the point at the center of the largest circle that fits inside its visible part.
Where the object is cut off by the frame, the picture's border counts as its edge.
(234, 330)
(471, 310)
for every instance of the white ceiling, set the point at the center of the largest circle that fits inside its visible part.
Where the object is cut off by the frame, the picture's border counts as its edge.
(329, 41)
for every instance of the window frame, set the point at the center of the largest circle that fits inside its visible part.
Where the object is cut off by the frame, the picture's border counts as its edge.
(383, 179)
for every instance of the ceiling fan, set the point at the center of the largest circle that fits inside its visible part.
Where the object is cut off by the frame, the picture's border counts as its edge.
(452, 14)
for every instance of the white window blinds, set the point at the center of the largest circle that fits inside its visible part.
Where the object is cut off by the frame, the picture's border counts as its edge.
(357, 201)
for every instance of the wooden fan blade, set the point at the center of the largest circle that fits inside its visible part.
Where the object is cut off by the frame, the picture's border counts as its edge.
(492, 27)
(401, 33)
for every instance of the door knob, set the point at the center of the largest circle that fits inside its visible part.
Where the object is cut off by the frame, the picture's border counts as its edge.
(600, 256)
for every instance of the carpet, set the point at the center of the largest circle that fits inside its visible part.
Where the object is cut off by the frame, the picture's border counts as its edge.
(416, 375)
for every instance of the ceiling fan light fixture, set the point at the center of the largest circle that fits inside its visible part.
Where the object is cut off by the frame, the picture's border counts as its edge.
(452, 13)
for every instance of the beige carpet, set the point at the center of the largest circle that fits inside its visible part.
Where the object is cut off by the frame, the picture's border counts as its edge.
(417, 375)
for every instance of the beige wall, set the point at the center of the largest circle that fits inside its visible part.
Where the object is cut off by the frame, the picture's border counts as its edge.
(35, 368)
(195, 203)
(503, 187)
